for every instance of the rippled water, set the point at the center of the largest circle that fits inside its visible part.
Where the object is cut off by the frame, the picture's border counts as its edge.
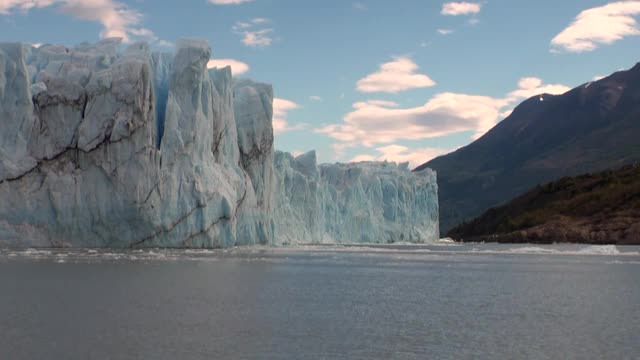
(323, 302)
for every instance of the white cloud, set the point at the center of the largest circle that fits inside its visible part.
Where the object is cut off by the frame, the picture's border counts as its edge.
(117, 19)
(395, 76)
(444, 114)
(258, 38)
(241, 25)
(400, 154)
(340, 148)
(375, 122)
(229, 2)
(531, 86)
(444, 31)
(599, 25)
(259, 20)
(460, 8)
(281, 107)
(237, 67)
(315, 98)
(252, 35)
(382, 103)
(363, 157)
(23, 5)
(359, 6)
(529, 83)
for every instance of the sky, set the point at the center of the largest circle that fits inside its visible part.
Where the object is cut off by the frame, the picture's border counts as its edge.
(402, 80)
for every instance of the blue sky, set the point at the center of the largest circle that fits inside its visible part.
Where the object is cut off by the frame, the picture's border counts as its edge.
(401, 80)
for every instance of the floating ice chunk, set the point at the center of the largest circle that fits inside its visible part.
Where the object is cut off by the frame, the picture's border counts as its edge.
(599, 250)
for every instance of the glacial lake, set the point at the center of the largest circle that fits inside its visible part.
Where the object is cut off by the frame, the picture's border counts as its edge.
(472, 301)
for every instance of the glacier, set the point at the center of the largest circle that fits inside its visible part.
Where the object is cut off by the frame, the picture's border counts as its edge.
(103, 145)
(364, 202)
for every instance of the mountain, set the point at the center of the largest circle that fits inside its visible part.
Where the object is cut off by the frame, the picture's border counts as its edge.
(602, 208)
(593, 127)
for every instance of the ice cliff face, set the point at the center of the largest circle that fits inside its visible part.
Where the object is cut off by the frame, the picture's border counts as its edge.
(108, 148)
(367, 202)
(99, 148)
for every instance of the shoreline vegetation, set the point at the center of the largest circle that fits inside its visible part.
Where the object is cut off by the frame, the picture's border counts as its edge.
(601, 208)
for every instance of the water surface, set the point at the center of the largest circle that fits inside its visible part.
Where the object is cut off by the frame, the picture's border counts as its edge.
(323, 302)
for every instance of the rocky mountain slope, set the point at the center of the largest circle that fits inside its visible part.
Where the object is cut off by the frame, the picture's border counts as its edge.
(601, 208)
(593, 127)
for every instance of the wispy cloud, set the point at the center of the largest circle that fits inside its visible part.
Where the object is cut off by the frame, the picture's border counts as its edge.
(281, 108)
(599, 25)
(382, 103)
(315, 98)
(259, 20)
(117, 19)
(363, 157)
(400, 154)
(444, 31)
(6, 6)
(376, 122)
(253, 34)
(532, 86)
(229, 2)
(359, 6)
(460, 8)
(237, 67)
(258, 38)
(395, 76)
(340, 148)
(444, 114)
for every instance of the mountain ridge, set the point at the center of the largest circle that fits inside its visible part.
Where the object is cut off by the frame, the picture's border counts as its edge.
(589, 128)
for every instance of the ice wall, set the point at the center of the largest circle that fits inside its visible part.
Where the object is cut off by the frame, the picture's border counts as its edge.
(105, 147)
(366, 202)
(101, 148)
